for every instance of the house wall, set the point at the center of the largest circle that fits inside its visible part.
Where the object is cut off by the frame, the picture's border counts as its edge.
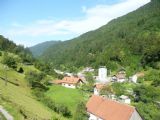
(121, 80)
(96, 91)
(134, 78)
(102, 74)
(93, 117)
(135, 116)
(128, 101)
(68, 85)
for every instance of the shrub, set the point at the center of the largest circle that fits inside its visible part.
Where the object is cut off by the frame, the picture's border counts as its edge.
(20, 70)
(9, 61)
(80, 113)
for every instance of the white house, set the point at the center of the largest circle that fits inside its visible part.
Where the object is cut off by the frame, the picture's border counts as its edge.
(135, 77)
(59, 72)
(100, 108)
(69, 82)
(121, 77)
(125, 99)
(88, 69)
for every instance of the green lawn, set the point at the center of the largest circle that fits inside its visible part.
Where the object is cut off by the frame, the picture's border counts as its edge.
(66, 96)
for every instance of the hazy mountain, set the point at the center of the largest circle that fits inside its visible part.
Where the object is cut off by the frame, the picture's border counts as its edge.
(38, 49)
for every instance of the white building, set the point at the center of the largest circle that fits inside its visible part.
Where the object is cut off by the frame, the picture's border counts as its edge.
(134, 78)
(125, 99)
(88, 69)
(121, 77)
(69, 82)
(102, 75)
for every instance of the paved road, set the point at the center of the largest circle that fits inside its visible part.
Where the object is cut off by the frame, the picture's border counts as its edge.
(6, 114)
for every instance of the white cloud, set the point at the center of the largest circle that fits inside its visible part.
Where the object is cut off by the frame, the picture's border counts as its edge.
(93, 18)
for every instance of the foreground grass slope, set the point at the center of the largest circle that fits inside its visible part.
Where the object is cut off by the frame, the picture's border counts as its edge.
(17, 98)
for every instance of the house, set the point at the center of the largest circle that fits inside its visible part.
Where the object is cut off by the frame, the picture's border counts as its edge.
(135, 77)
(59, 72)
(97, 88)
(88, 69)
(114, 78)
(69, 82)
(121, 77)
(125, 99)
(81, 76)
(100, 108)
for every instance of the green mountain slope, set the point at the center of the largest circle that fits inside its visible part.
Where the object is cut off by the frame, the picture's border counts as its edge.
(130, 40)
(38, 49)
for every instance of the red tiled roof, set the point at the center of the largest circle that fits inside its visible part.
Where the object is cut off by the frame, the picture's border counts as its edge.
(107, 109)
(69, 80)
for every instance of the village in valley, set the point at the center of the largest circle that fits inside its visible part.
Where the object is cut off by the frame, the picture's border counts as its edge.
(103, 103)
(80, 60)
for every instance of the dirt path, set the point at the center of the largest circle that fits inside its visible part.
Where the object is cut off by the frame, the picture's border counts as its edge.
(6, 114)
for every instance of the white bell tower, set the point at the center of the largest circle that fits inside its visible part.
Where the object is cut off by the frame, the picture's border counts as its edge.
(102, 74)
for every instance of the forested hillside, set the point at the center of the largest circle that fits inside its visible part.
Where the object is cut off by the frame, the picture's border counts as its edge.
(132, 40)
(9, 46)
(38, 49)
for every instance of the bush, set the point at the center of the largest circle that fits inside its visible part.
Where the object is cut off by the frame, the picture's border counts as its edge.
(80, 113)
(9, 61)
(63, 110)
(20, 70)
(34, 79)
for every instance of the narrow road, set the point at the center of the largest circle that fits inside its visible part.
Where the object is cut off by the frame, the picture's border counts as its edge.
(6, 114)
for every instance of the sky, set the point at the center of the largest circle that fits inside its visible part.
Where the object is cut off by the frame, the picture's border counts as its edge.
(28, 22)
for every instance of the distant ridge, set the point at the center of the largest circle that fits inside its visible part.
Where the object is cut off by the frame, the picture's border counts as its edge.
(38, 49)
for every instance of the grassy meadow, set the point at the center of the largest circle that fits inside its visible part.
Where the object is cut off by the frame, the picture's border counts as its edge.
(66, 96)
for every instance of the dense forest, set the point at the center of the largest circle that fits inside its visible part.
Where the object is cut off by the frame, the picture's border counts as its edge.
(131, 40)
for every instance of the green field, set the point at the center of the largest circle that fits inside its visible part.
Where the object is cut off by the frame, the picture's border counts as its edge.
(66, 96)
